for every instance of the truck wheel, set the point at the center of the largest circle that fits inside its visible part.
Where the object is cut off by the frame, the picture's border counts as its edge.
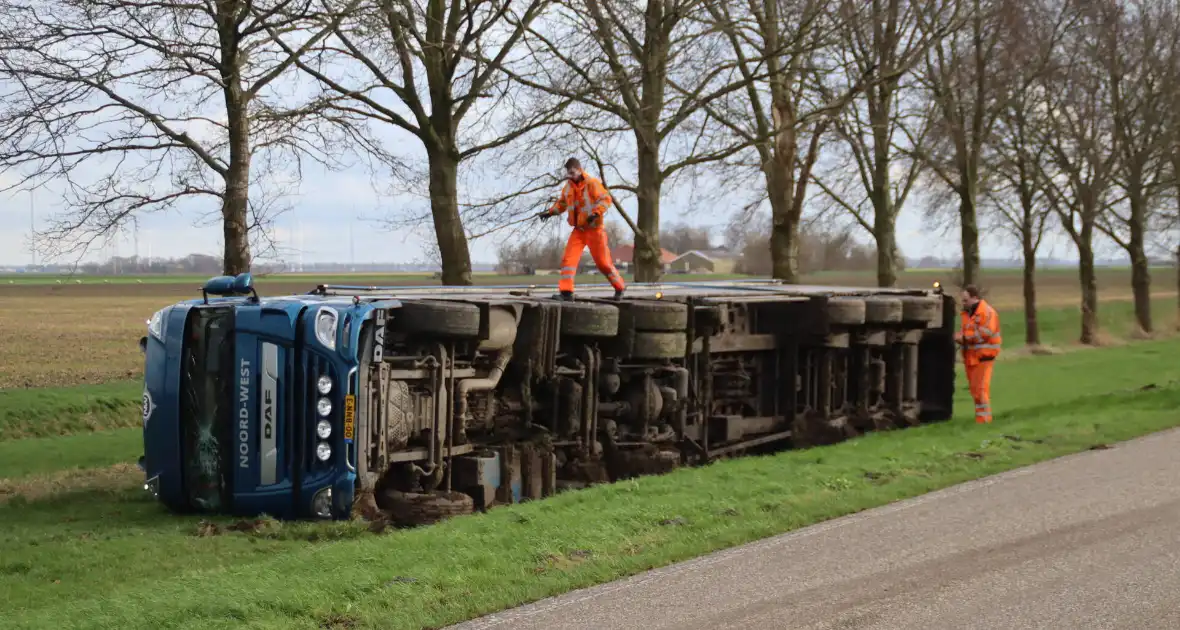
(657, 315)
(445, 319)
(659, 345)
(925, 310)
(883, 310)
(588, 319)
(416, 508)
(846, 311)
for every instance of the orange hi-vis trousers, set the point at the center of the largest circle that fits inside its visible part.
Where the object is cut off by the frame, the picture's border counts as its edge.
(580, 239)
(979, 377)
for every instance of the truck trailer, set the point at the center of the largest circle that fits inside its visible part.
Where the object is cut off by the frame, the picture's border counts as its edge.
(414, 404)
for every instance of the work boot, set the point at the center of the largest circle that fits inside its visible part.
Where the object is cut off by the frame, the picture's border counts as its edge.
(567, 296)
(619, 294)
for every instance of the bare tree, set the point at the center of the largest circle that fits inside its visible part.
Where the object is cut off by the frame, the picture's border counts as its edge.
(1139, 75)
(1017, 158)
(785, 116)
(138, 106)
(964, 73)
(653, 69)
(433, 70)
(881, 43)
(681, 237)
(1079, 138)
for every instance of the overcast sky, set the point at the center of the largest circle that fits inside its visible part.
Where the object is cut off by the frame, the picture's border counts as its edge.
(330, 204)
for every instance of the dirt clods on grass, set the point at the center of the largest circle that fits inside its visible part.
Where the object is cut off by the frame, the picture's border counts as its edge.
(563, 562)
(338, 622)
(256, 526)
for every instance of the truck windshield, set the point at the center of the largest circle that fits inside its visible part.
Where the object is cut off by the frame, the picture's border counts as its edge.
(206, 395)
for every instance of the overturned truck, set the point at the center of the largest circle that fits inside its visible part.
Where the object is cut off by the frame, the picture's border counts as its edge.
(417, 404)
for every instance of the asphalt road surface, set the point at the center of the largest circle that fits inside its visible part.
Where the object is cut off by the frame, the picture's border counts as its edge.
(1087, 541)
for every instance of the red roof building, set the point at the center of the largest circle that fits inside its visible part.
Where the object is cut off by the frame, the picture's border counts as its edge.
(624, 254)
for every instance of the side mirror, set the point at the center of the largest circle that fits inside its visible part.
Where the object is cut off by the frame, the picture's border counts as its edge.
(241, 284)
(143, 345)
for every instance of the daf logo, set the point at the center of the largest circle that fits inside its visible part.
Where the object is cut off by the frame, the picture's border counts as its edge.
(148, 407)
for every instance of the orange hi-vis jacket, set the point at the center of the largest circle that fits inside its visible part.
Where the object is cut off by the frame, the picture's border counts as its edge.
(582, 199)
(981, 334)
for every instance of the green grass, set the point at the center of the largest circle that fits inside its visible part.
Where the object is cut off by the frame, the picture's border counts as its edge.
(103, 556)
(38, 456)
(1061, 326)
(49, 411)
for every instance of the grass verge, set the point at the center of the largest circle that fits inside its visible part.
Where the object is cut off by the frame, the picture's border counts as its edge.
(50, 411)
(39, 456)
(103, 556)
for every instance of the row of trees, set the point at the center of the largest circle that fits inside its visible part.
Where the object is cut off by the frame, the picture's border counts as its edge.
(1016, 117)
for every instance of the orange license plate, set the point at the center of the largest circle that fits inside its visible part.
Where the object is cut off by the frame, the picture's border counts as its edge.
(349, 417)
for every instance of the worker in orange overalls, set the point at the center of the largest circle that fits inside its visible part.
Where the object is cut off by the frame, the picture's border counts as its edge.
(586, 200)
(980, 340)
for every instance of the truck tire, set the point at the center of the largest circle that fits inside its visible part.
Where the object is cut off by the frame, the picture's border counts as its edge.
(846, 311)
(659, 345)
(883, 310)
(588, 319)
(440, 318)
(925, 310)
(655, 315)
(416, 508)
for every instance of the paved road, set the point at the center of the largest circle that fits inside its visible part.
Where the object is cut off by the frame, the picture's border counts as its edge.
(1088, 541)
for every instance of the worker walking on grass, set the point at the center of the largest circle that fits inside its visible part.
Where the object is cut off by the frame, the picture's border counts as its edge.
(586, 200)
(980, 340)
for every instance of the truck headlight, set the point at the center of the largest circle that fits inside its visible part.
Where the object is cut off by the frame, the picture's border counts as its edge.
(323, 407)
(323, 452)
(324, 385)
(326, 320)
(156, 324)
(323, 428)
(321, 503)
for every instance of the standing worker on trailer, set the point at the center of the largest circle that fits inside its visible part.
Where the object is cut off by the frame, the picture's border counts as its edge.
(586, 200)
(980, 340)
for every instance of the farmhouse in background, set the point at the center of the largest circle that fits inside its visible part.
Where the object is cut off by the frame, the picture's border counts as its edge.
(623, 256)
(707, 261)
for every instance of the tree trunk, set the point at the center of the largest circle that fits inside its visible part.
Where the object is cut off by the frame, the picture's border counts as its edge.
(885, 231)
(234, 212)
(884, 223)
(235, 205)
(886, 253)
(1089, 285)
(444, 207)
(1140, 276)
(784, 231)
(1032, 331)
(647, 260)
(969, 235)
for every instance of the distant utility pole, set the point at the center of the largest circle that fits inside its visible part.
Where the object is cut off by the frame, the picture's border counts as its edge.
(299, 228)
(351, 249)
(32, 230)
(135, 221)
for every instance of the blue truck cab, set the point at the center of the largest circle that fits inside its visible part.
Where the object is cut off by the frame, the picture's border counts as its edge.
(249, 403)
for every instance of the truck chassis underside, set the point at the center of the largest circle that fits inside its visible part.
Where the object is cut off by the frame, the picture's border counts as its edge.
(472, 397)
